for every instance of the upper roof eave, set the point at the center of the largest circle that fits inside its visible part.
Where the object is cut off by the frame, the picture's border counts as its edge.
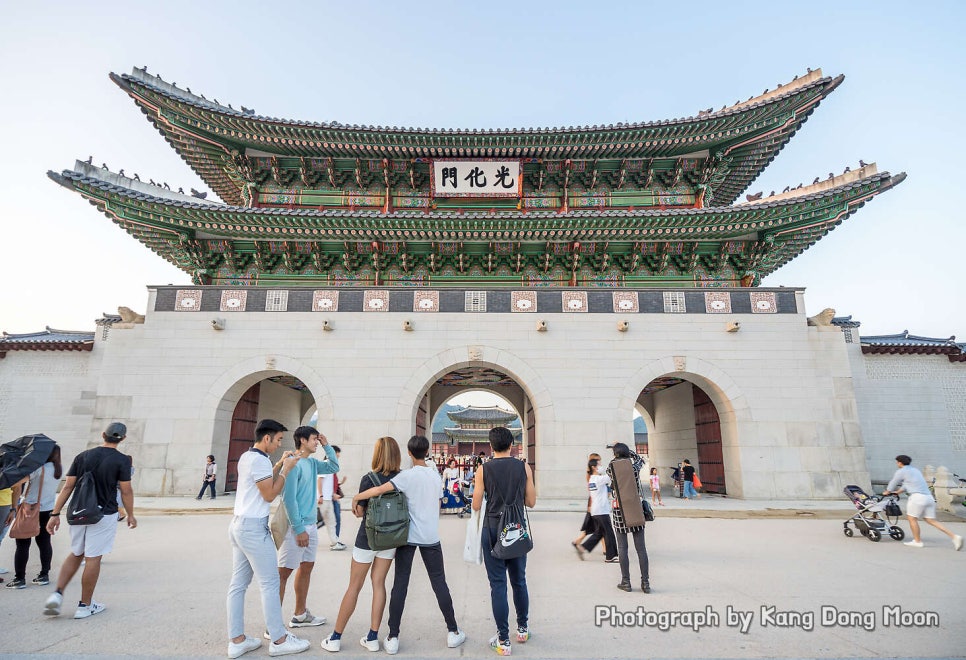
(139, 77)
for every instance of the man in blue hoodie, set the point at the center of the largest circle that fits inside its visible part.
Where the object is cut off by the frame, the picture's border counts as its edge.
(297, 552)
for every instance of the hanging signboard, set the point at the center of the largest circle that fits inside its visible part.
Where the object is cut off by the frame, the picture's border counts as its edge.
(477, 178)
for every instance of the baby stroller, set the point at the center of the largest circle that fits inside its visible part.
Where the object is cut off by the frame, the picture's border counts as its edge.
(874, 517)
(456, 499)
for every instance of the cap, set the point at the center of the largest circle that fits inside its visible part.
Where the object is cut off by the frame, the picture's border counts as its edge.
(116, 430)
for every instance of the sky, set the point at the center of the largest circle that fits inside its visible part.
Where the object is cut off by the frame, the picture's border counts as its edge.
(894, 265)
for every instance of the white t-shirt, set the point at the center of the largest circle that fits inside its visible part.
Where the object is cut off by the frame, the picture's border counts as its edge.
(253, 466)
(422, 486)
(49, 494)
(326, 486)
(599, 500)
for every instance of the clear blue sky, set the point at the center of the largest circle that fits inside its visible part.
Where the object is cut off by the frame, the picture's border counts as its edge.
(894, 265)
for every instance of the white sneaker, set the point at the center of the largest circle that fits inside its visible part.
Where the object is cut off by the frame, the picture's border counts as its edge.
(454, 639)
(333, 645)
(337, 546)
(305, 620)
(958, 542)
(292, 644)
(370, 644)
(52, 606)
(243, 647)
(913, 544)
(391, 645)
(89, 610)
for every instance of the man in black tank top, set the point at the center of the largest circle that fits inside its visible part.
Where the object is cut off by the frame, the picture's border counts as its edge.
(505, 481)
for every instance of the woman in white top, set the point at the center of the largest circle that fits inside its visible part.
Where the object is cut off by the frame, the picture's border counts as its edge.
(45, 494)
(598, 486)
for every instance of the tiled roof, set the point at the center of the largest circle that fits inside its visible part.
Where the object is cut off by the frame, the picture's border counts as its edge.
(86, 174)
(749, 134)
(908, 344)
(845, 322)
(475, 414)
(47, 340)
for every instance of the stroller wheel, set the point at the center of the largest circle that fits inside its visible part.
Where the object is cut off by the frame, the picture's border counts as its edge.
(874, 535)
(896, 532)
(848, 532)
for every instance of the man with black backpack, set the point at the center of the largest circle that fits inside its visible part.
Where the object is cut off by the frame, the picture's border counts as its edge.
(95, 475)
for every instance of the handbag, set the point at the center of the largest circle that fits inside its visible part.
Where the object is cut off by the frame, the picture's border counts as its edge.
(27, 523)
(697, 482)
(473, 544)
(279, 525)
(648, 511)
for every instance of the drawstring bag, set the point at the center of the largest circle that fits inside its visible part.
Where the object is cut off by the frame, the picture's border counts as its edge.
(514, 539)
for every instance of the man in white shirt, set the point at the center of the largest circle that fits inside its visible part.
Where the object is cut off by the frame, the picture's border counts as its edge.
(253, 552)
(422, 486)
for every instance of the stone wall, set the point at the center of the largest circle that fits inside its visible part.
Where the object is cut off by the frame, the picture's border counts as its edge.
(914, 405)
(783, 390)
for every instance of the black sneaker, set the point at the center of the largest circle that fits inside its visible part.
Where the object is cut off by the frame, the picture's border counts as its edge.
(16, 583)
(41, 579)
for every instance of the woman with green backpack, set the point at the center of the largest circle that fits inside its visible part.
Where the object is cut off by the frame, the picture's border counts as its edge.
(385, 465)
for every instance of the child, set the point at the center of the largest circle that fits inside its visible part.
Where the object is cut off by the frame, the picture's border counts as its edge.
(422, 486)
(656, 487)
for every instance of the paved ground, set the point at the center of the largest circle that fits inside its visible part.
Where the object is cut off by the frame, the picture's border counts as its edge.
(164, 587)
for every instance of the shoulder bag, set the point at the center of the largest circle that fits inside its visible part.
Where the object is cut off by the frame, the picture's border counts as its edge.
(27, 523)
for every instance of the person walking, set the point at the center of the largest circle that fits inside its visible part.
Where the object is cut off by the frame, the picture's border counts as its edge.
(253, 551)
(504, 481)
(621, 528)
(326, 486)
(337, 495)
(301, 542)
(587, 527)
(385, 465)
(656, 487)
(41, 489)
(422, 486)
(921, 503)
(111, 470)
(598, 485)
(211, 471)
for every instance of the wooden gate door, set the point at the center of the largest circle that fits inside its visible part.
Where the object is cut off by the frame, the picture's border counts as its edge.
(243, 423)
(422, 418)
(707, 428)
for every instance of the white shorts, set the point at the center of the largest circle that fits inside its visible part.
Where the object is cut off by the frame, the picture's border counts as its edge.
(921, 506)
(290, 555)
(366, 556)
(94, 540)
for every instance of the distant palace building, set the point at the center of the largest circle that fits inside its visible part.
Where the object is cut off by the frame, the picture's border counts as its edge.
(368, 274)
(471, 434)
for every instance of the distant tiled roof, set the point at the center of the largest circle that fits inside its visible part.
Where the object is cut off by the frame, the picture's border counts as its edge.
(48, 340)
(907, 344)
(480, 414)
(479, 434)
(108, 319)
(845, 322)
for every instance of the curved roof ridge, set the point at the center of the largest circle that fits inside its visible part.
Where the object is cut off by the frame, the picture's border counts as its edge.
(835, 181)
(119, 179)
(906, 336)
(784, 88)
(813, 78)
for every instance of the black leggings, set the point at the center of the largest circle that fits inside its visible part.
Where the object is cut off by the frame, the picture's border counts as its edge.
(433, 560)
(23, 550)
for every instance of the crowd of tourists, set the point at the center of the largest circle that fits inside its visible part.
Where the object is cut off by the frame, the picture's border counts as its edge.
(400, 512)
